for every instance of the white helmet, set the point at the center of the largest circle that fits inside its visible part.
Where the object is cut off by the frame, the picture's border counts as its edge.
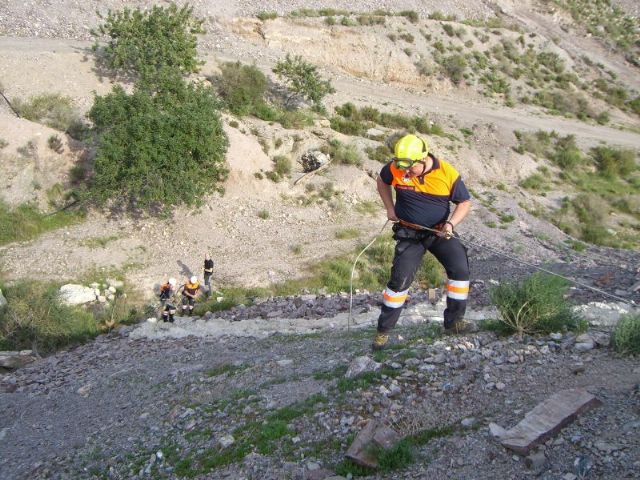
(172, 282)
(193, 279)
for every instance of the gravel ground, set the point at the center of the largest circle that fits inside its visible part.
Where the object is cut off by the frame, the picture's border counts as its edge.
(126, 406)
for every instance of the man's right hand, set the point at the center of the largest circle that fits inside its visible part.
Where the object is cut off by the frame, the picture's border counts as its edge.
(391, 215)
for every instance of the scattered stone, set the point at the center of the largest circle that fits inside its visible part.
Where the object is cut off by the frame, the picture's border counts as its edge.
(362, 365)
(373, 434)
(468, 422)
(226, 441)
(13, 360)
(537, 462)
(547, 419)
(313, 160)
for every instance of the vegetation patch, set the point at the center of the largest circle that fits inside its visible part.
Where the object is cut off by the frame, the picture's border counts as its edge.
(536, 304)
(25, 222)
(626, 335)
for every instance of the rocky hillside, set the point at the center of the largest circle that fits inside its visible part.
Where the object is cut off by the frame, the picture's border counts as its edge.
(535, 102)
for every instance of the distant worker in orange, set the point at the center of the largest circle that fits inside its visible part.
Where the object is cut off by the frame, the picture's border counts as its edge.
(424, 186)
(190, 291)
(168, 300)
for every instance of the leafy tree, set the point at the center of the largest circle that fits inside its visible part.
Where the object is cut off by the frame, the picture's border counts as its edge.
(165, 149)
(150, 45)
(302, 78)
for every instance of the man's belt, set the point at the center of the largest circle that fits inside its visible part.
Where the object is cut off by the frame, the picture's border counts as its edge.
(415, 226)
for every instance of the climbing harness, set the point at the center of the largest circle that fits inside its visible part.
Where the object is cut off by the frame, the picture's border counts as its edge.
(480, 246)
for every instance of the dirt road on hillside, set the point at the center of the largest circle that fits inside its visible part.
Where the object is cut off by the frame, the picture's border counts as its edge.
(360, 90)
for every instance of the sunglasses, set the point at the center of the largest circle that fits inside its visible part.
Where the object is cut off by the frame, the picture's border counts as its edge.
(404, 163)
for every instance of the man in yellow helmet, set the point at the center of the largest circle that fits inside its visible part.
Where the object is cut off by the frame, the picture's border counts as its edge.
(425, 186)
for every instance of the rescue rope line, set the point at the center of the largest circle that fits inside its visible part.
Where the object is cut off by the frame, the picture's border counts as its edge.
(496, 252)
(354, 269)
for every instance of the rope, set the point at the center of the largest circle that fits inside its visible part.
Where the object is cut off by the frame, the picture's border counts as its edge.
(353, 269)
(491, 249)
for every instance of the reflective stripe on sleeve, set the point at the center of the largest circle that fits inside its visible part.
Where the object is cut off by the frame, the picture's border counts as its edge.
(458, 289)
(394, 299)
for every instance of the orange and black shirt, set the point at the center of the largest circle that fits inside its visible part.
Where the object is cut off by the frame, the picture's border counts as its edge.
(424, 200)
(191, 288)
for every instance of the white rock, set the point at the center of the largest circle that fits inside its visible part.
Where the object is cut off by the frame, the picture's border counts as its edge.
(72, 294)
(3, 301)
(226, 441)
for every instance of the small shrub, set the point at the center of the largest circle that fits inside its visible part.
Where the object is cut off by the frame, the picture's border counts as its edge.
(282, 165)
(626, 335)
(410, 15)
(535, 305)
(242, 87)
(263, 214)
(448, 28)
(614, 162)
(3, 143)
(455, 67)
(407, 37)
(344, 154)
(347, 233)
(381, 153)
(302, 78)
(55, 144)
(267, 16)
(534, 182)
(28, 150)
(25, 222)
(50, 109)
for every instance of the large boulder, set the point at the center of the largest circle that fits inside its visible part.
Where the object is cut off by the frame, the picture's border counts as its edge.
(313, 160)
(71, 294)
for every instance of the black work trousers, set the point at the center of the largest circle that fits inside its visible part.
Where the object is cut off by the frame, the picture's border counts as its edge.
(410, 248)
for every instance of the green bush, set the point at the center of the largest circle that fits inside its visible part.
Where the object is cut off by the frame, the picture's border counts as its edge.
(344, 154)
(267, 15)
(626, 335)
(166, 149)
(282, 165)
(567, 154)
(613, 162)
(302, 78)
(534, 182)
(50, 109)
(535, 305)
(151, 44)
(347, 126)
(242, 87)
(455, 67)
(410, 15)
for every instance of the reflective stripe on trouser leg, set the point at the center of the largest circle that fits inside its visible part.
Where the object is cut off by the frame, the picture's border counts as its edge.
(453, 257)
(394, 299)
(458, 289)
(406, 261)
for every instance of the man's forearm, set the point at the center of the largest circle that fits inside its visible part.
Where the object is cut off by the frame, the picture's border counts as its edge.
(384, 191)
(461, 211)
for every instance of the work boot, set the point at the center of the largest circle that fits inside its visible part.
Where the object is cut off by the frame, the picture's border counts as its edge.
(459, 327)
(380, 341)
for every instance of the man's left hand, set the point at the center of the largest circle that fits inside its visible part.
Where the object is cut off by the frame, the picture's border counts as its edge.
(446, 231)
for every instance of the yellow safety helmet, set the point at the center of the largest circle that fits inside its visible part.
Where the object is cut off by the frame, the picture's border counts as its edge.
(411, 147)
